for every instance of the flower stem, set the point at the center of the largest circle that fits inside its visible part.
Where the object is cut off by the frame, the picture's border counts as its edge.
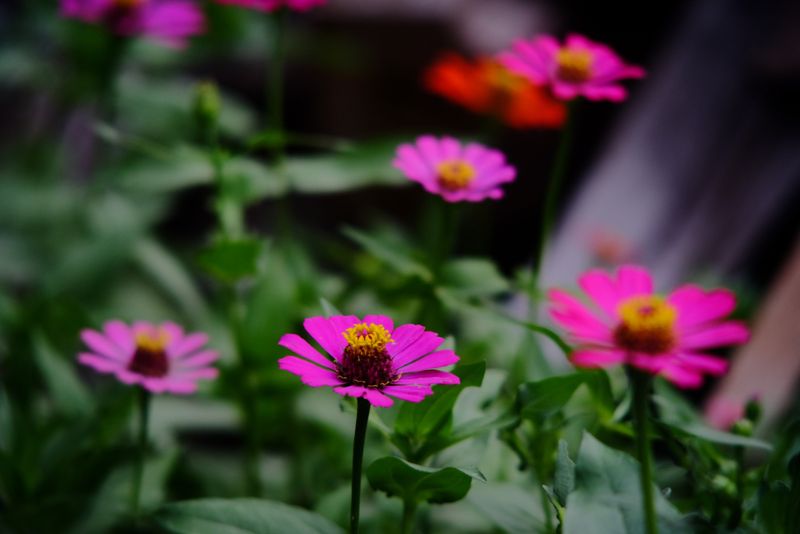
(409, 511)
(641, 384)
(276, 75)
(554, 192)
(362, 416)
(143, 398)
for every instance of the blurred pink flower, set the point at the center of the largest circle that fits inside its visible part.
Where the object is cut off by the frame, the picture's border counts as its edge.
(273, 5)
(370, 358)
(722, 412)
(160, 358)
(171, 22)
(660, 335)
(609, 247)
(458, 173)
(579, 67)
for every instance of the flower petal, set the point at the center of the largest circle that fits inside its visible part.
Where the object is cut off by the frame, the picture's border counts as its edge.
(696, 306)
(428, 377)
(198, 359)
(186, 345)
(682, 377)
(410, 393)
(309, 373)
(571, 314)
(727, 333)
(424, 344)
(704, 363)
(593, 358)
(303, 348)
(431, 361)
(376, 398)
(326, 333)
(382, 320)
(103, 346)
(120, 334)
(98, 363)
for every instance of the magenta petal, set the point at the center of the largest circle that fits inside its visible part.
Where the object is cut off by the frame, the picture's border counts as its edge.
(103, 346)
(198, 359)
(704, 363)
(382, 320)
(425, 344)
(431, 361)
(681, 377)
(428, 377)
(186, 345)
(404, 336)
(602, 290)
(309, 373)
(128, 377)
(301, 347)
(569, 313)
(120, 334)
(696, 306)
(376, 398)
(633, 280)
(155, 385)
(728, 333)
(593, 358)
(410, 393)
(181, 388)
(330, 338)
(98, 363)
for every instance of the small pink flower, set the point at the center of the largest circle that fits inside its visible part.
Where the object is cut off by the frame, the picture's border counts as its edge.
(633, 326)
(578, 68)
(160, 358)
(370, 358)
(273, 5)
(471, 172)
(171, 22)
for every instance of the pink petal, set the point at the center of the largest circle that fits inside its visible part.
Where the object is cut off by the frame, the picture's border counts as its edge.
(382, 320)
(728, 333)
(301, 347)
(431, 361)
(404, 336)
(174, 331)
(186, 345)
(155, 385)
(611, 92)
(602, 289)
(682, 377)
(128, 377)
(198, 359)
(704, 363)
(593, 358)
(181, 388)
(376, 398)
(103, 346)
(428, 377)
(633, 280)
(309, 373)
(569, 313)
(120, 334)
(696, 306)
(330, 338)
(410, 393)
(430, 149)
(425, 344)
(98, 363)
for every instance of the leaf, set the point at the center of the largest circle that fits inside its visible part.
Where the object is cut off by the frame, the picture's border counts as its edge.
(510, 507)
(231, 260)
(69, 394)
(545, 397)
(416, 483)
(398, 261)
(565, 474)
(240, 516)
(473, 277)
(420, 419)
(607, 495)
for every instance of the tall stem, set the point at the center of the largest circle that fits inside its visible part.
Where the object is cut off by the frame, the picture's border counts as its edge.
(642, 383)
(554, 187)
(143, 398)
(362, 416)
(275, 97)
(409, 511)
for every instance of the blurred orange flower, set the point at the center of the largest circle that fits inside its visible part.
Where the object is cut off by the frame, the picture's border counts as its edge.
(485, 86)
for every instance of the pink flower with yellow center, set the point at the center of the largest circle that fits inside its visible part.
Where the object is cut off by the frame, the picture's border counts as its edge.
(369, 358)
(160, 358)
(274, 5)
(171, 22)
(663, 335)
(456, 172)
(579, 67)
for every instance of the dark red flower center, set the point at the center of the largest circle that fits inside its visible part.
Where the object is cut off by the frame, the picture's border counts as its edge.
(455, 174)
(365, 361)
(647, 325)
(150, 358)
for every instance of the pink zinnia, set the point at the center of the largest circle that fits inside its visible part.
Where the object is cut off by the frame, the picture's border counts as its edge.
(633, 326)
(578, 68)
(370, 358)
(160, 358)
(273, 5)
(471, 172)
(170, 21)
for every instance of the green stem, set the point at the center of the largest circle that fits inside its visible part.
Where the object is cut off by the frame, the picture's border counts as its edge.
(409, 511)
(276, 89)
(143, 398)
(553, 193)
(641, 384)
(362, 416)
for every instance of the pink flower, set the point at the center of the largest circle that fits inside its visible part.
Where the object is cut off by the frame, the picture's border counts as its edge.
(371, 358)
(273, 5)
(160, 358)
(661, 335)
(458, 173)
(578, 68)
(170, 21)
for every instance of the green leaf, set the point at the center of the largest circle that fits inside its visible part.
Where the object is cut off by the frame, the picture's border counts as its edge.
(565, 474)
(513, 509)
(416, 483)
(545, 397)
(607, 495)
(390, 255)
(417, 420)
(69, 394)
(240, 516)
(231, 260)
(473, 277)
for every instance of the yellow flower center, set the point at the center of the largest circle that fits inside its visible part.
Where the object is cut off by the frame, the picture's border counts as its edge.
(150, 358)
(574, 65)
(455, 174)
(368, 337)
(647, 325)
(365, 361)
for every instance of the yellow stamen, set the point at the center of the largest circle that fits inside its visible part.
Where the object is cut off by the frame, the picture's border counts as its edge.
(647, 325)
(368, 338)
(152, 341)
(574, 65)
(455, 174)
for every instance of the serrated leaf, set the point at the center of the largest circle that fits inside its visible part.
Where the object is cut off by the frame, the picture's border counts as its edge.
(416, 483)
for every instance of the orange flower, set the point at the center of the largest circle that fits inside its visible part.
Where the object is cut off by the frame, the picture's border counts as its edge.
(485, 86)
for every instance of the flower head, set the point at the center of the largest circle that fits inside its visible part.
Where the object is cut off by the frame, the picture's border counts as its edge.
(168, 21)
(471, 172)
(579, 67)
(369, 358)
(664, 335)
(485, 86)
(274, 5)
(160, 358)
